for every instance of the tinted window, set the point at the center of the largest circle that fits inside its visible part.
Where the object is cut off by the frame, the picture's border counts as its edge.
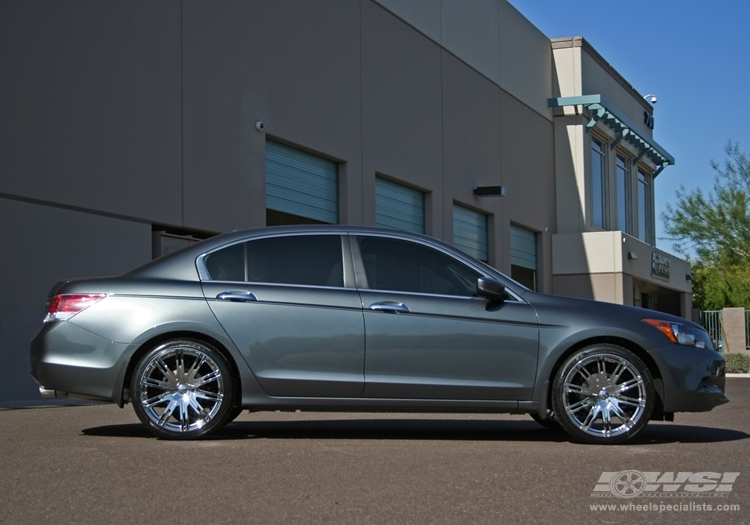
(405, 266)
(306, 259)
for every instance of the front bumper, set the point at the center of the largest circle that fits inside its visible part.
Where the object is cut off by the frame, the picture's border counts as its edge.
(693, 378)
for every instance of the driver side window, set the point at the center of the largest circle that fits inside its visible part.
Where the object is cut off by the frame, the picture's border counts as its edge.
(405, 266)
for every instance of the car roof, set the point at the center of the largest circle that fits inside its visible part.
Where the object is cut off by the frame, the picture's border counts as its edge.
(181, 263)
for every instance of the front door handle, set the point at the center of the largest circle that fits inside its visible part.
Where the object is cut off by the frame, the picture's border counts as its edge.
(237, 296)
(389, 306)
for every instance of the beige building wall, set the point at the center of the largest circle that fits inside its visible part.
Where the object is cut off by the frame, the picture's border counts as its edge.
(588, 262)
(580, 70)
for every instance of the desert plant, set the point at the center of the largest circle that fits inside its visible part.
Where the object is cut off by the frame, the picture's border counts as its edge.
(737, 363)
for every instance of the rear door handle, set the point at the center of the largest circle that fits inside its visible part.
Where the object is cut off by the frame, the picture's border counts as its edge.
(389, 306)
(237, 296)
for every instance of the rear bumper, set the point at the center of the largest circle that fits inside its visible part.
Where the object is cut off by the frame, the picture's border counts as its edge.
(68, 361)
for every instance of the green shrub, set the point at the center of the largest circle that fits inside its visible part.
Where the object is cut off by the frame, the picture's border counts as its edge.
(737, 363)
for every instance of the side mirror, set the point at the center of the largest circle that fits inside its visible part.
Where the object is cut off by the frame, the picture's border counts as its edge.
(490, 289)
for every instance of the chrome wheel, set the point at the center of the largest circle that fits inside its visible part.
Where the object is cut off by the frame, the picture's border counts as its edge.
(182, 389)
(603, 394)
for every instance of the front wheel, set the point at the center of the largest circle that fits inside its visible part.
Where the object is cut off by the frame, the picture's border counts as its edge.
(182, 389)
(603, 394)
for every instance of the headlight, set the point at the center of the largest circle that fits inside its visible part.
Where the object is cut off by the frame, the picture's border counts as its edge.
(682, 334)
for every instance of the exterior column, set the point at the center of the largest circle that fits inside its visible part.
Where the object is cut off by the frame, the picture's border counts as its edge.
(734, 329)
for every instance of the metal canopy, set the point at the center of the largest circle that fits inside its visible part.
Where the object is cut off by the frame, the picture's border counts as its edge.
(602, 110)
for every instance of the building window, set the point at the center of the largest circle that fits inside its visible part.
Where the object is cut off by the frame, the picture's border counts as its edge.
(470, 232)
(598, 185)
(398, 206)
(645, 208)
(523, 258)
(622, 184)
(301, 188)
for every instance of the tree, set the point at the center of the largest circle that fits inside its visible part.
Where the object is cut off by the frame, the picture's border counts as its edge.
(715, 287)
(712, 230)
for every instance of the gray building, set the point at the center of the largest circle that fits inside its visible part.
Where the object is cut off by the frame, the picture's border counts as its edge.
(128, 129)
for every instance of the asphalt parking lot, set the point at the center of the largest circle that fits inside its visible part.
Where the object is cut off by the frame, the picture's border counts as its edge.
(97, 464)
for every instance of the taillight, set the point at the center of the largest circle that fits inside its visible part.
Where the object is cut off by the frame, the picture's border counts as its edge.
(65, 306)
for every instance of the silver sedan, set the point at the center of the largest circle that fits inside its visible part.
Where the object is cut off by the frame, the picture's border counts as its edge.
(360, 319)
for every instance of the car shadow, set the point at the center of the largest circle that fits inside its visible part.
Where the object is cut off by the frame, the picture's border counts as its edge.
(426, 430)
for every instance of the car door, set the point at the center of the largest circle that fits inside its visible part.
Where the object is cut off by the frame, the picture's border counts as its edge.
(428, 336)
(283, 301)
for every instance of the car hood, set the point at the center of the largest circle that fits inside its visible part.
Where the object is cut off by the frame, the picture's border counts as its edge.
(599, 319)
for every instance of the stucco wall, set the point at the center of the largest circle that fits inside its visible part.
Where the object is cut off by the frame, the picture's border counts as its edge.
(120, 116)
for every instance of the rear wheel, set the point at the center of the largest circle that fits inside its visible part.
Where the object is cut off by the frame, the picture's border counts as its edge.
(182, 389)
(603, 394)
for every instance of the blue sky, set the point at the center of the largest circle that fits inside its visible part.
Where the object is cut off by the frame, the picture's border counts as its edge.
(694, 55)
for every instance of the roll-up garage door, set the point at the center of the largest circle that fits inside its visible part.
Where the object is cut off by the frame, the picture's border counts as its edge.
(301, 184)
(522, 247)
(398, 206)
(523, 257)
(470, 232)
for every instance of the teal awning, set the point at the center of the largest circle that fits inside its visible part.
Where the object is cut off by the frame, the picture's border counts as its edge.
(603, 110)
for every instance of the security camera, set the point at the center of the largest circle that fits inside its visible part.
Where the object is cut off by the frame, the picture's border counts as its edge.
(260, 126)
(651, 98)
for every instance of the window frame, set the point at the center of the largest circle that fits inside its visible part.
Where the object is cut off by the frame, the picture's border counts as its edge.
(599, 146)
(623, 200)
(645, 209)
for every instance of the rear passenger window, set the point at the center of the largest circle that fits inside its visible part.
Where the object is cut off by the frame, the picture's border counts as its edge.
(313, 260)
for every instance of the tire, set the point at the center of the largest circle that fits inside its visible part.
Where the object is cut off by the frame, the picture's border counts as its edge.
(549, 422)
(182, 389)
(603, 394)
(233, 414)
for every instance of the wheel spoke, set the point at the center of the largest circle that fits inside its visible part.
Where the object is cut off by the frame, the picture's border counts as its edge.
(606, 421)
(622, 387)
(213, 376)
(167, 413)
(575, 407)
(202, 412)
(622, 365)
(580, 368)
(630, 401)
(150, 382)
(151, 402)
(168, 374)
(601, 366)
(622, 416)
(194, 368)
(184, 416)
(573, 388)
(590, 418)
(210, 396)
